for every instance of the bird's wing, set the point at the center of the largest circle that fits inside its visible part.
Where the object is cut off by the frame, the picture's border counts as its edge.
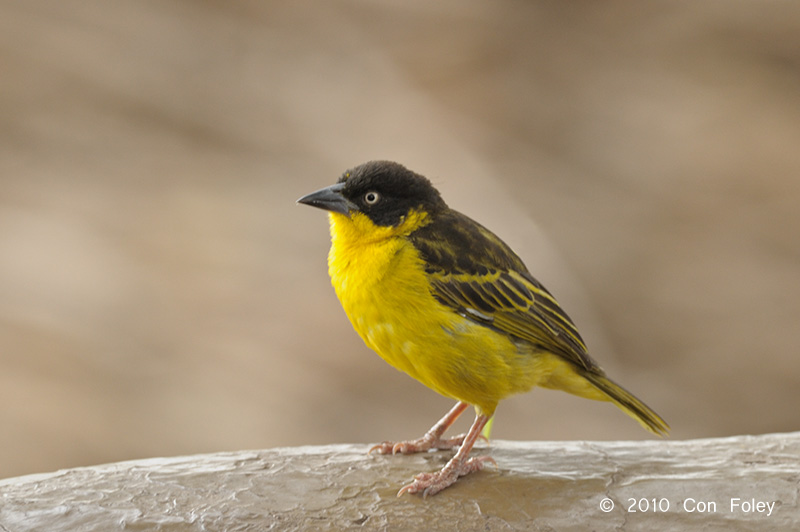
(476, 274)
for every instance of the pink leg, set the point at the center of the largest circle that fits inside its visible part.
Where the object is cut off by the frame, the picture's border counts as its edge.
(458, 466)
(431, 440)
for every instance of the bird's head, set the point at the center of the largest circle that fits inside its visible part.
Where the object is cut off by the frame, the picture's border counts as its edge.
(379, 193)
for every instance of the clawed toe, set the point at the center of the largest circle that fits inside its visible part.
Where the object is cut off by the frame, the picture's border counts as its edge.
(423, 444)
(433, 483)
(458, 466)
(402, 447)
(382, 448)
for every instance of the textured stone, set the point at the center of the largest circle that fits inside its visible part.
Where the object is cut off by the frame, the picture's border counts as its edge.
(538, 486)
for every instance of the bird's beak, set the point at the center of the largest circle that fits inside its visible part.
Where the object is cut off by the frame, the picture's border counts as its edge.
(330, 199)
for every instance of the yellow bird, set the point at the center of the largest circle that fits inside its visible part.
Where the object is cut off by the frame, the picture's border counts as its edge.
(440, 297)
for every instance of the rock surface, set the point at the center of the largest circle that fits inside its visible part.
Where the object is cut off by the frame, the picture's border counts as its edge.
(737, 483)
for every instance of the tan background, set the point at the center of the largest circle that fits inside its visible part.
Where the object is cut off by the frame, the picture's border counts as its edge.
(161, 294)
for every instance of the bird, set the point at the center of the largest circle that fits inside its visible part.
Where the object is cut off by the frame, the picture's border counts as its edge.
(442, 298)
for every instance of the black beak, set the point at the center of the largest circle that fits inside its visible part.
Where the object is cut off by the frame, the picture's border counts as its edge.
(330, 199)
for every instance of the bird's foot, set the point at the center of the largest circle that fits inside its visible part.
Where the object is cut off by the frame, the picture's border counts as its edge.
(427, 442)
(433, 483)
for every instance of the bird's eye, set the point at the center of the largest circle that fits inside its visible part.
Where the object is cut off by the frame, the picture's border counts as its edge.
(372, 197)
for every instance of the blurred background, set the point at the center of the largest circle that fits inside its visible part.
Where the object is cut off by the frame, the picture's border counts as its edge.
(162, 294)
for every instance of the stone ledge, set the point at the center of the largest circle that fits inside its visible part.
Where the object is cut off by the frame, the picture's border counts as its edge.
(539, 486)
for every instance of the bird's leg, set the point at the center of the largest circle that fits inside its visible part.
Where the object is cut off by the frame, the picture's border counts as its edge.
(431, 440)
(458, 466)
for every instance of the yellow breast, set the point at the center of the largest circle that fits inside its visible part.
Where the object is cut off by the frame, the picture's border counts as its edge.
(381, 283)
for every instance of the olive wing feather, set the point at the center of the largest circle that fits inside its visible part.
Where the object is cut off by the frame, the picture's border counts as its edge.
(476, 274)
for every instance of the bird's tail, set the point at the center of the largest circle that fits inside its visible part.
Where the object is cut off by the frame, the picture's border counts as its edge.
(628, 403)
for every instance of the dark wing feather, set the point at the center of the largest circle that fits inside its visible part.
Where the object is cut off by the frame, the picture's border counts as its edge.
(477, 275)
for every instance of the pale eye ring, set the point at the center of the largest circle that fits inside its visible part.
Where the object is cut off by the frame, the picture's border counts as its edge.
(372, 197)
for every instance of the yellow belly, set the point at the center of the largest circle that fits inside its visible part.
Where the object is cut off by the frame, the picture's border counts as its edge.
(384, 291)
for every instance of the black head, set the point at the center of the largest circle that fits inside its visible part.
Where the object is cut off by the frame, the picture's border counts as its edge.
(383, 190)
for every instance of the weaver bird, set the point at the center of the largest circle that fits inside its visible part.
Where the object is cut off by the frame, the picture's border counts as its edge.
(442, 298)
